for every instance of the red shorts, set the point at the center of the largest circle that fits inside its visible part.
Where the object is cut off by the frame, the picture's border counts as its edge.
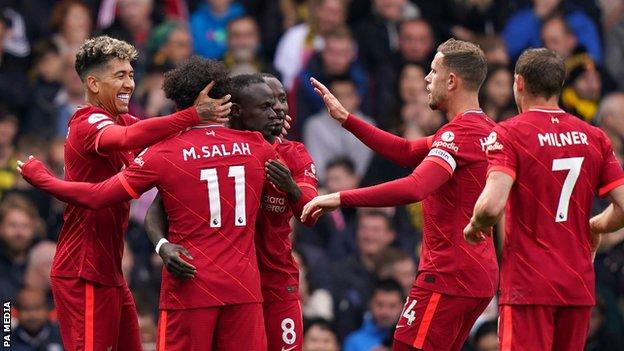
(434, 321)
(537, 327)
(95, 317)
(284, 325)
(230, 327)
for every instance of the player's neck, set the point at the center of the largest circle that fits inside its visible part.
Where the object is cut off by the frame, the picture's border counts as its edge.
(92, 101)
(461, 103)
(539, 102)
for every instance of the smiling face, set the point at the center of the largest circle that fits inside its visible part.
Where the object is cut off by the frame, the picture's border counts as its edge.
(112, 86)
(437, 83)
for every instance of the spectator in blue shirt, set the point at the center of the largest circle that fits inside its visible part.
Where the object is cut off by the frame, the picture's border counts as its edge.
(385, 308)
(209, 26)
(523, 27)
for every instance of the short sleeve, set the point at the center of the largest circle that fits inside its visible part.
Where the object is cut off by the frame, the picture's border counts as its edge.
(142, 174)
(305, 172)
(501, 153)
(446, 147)
(611, 174)
(91, 127)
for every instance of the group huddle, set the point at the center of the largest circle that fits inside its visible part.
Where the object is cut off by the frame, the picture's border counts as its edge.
(229, 184)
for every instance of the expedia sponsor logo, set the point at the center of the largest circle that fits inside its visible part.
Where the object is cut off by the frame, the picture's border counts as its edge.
(490, 143)
(448, 136)
(276, 204)
(444, 144)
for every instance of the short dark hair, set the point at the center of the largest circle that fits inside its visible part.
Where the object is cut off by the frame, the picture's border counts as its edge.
(388, 285)
(184, 83)
(373, 212)
(322, 323)
(466, 60)
(388, 257)
(543, 71)
(341, 161)
(241, 82)
(488, 327)
(96, 52)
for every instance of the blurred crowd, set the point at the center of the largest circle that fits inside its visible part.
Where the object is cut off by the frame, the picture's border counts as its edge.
(356, 265)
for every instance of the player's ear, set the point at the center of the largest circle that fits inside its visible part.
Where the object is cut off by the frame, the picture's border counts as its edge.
(452, 81)
(519, 81)
(235, 110)
(92, 84)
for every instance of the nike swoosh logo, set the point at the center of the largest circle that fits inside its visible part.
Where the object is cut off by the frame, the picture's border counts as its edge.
(401, 326)
(288, 349)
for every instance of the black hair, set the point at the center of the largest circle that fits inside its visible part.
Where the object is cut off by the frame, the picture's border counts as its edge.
(241, 82)
(321, 323)
(484, 329)
(184, 83)
(341, 161)
(388, 285)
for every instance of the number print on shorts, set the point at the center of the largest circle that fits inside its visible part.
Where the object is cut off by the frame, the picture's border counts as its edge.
(288, 331)
(408, 312)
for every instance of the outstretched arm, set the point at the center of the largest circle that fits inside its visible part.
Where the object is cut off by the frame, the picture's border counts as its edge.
(489, 206)
(90, 195)
(157, 227)
(425, 179)
(147, 132)
(399, 150)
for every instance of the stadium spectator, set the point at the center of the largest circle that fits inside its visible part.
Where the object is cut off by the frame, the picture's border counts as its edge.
(614, 50)
(42, 110)
(393, 263)
(243, 48)
(39, 263)
(559, 37)
(611, 119)
(35, 330)
(169, 44)
(354, 276)
(69, 97)
(8, 161)
(384, 309)
(496, 95)
(319, 336)
(485, 338)
(495, 50)
(582, 87)
(338, 59)
(18, 223)
(523, 27)
(416, 41)
(208, 26)
(378, 35)
(316, 302)
(301, 41)
(326, 140)
(71, 20)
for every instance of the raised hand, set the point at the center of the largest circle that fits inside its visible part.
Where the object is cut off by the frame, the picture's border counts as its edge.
(320, 205)
(286, 127)
(170, 254)
(334, 107)
(212, 110)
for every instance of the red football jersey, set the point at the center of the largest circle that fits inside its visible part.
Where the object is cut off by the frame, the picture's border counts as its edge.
(559, 163)
(211, 180)
(91, 242)
(279, 272)
(448, 264)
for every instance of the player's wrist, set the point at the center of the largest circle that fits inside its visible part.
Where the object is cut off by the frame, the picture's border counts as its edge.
(160, 243)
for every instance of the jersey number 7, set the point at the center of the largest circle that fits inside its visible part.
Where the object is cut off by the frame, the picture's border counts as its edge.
(214, 198)
(573, 165)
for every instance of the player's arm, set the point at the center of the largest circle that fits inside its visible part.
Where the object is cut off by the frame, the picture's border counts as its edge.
(144, 133)
(612, 218)
(425, 179)
(157, 227)
(90, 195)
(396, 149)
(489, 207)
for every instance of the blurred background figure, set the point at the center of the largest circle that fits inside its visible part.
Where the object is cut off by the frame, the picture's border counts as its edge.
(385, 306)
(496, 94)
(393, 263)
(208, 26)
(319, 336)
(35, 330)
(72, 23)
(486, 337)
(243, 48)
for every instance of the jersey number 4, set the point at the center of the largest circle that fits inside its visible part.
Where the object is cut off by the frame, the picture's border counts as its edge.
(573, 165)
(214, 199)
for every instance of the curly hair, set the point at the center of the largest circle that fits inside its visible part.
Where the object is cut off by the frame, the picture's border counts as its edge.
(97, 51)
(184, 83)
